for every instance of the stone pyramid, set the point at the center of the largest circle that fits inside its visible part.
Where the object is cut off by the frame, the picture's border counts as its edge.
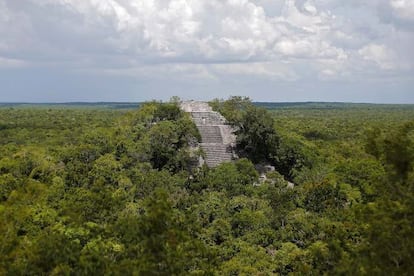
(217, 138)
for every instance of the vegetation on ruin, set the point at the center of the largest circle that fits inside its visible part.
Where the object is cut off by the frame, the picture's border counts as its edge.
(88, 190)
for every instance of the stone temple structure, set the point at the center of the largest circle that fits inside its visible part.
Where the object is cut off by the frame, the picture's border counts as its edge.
(217, 138)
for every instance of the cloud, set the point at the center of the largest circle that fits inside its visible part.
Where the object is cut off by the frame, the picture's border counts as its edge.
(378, 54)
(403, 9)
(211, 40)
(11, 63)
(169, 31)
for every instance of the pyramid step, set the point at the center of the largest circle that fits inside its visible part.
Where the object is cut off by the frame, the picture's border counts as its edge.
(216, 135)
(210, 134)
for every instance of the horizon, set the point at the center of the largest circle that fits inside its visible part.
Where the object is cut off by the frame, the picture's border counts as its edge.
(145, 101)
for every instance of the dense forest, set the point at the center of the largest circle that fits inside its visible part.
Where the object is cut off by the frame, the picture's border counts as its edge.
(90, 190)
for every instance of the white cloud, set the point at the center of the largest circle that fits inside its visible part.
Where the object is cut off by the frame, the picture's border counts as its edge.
(320, 37)
(378, 54)
(403, 9)
(12, 63)
(265, 70)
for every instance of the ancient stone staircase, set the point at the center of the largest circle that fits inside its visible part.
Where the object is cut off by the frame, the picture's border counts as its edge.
(217, 138)
(210, 134)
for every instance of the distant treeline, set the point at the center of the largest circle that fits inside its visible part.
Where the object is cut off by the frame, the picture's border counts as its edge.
(267, 105)
(105, 105)
(329, 105)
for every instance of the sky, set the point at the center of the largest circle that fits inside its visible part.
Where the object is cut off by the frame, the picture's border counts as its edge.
(268, 50)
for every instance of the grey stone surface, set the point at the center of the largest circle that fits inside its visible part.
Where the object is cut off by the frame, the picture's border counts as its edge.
(217, 138)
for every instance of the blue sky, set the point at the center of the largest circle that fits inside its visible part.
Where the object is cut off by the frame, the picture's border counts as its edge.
(269, 50)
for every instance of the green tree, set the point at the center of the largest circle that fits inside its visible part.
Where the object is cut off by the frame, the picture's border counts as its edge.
(234, 178)
(389, 247)
(256, 136)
